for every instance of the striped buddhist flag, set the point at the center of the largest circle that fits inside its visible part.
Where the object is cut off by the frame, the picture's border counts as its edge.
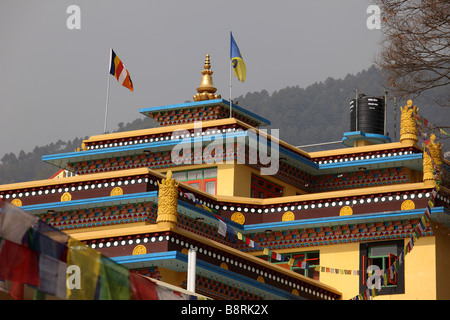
(118, 70)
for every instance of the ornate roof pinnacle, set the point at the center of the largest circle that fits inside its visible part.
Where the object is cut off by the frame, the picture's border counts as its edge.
(207, 64)
(206, 89)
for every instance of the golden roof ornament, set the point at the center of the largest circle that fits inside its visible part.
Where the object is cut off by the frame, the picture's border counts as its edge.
(432, 160)
(408, 125)
(206, 90)
(168, 201)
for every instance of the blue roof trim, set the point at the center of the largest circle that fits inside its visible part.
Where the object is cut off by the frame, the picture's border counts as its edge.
(350, 137)
(306, 223)
(407, 157)
(223, 102)
(83, 202)
(127, 148)
(261, 286)
(148, 145)
(298, 157)
(206, 138)
(158, 256)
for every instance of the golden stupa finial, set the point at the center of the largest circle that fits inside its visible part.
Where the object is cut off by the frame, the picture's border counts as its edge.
(207, 64)
(206, 90)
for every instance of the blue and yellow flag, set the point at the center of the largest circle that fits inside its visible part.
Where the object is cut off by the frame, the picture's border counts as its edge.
(236, 59)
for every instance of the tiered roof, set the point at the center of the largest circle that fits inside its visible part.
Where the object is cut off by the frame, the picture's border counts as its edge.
(355, 194)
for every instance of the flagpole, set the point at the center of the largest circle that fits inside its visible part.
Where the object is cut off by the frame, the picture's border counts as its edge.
(231, 67)
(107, 89)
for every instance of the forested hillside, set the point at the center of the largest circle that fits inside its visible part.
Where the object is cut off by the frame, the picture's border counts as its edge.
(29, 166)
(315, 114)
(320, 112)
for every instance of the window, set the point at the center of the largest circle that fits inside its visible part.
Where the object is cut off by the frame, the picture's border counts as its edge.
(307, 269)
(180, 176)
(202, 179)
(194, 174)
(380, 256)
(210, 185)
(263, 189)
(304, 263)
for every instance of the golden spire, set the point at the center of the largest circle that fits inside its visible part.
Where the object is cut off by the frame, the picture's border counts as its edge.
(206, 89)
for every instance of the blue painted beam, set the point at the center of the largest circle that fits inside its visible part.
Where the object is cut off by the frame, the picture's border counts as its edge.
(133, 197)
(340, 220)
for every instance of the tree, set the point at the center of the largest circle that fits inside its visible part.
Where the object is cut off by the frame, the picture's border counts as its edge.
(415, 47)
(9, 158)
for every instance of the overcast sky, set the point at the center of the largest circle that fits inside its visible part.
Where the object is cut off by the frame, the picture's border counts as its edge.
(53, 80)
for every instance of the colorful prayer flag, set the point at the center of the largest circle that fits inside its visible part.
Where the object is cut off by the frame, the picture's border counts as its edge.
(19, 264)
(225, 230)
(428, 211)
(250, 242)
(114, 280)
(87, 260)
(142, 288)
(167, 294)
(14, 222)
(48, 271)
(276, 256)
(45, 245)
(118, 70)
(444, 132)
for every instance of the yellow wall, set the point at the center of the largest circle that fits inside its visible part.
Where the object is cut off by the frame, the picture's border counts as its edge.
(226, 180)
(172, 277)
(442, 234)
(242, 182)
(413, 175)
(420, 270)
(341, 256)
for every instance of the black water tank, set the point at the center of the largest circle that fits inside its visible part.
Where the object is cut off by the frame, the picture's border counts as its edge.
(367, 114)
